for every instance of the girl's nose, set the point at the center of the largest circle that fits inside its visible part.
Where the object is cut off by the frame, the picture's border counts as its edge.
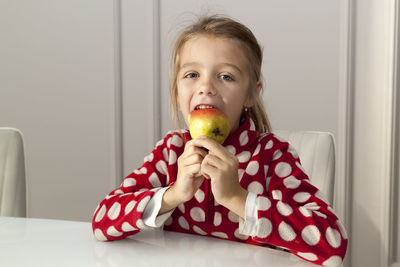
(207, 88)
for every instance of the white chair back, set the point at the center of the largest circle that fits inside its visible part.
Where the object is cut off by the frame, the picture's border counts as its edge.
(317, 156)
(12, 173)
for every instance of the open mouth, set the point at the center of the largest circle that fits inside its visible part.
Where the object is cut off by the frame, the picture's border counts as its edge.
(203, 107)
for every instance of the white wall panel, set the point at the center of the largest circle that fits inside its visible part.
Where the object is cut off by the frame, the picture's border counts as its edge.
(139, 81)
(374, 65)
(57, 86)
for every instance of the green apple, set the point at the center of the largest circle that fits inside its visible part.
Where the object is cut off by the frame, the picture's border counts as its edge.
(210, 122)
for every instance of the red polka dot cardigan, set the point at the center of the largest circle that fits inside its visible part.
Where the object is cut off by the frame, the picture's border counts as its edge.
(289, 211)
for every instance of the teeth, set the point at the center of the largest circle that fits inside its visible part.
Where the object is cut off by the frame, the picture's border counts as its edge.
(203, 107)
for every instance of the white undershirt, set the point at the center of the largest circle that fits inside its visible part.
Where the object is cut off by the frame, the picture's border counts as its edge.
(247, 226)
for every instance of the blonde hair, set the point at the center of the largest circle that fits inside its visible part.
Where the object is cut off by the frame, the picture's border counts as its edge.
(223, 27)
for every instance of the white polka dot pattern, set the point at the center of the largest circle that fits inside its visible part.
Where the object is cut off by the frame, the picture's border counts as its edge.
(217, 218)
(305, 212)
(198, 230)
(169, 142)
(308, 256)
(140, 224)
(143, 170)
(284, 208)
(161, 166)
(291, 182)
(113, 232)
(118, 192)
(255, 187)
(263, 203)
(99, 235)
(199, 195)
(113, 212)
(312, 206)
(197, 214)
(177, 141)
(129, 206)
(320, 214)
(100, 214)
(333, 261)
(172, 157)
(257, 150)
(264, 228)
(181, 207)
(292, 151)
(154, 180)
(233, 217)
(220, 234)
(240, 174)
(283, 169)
(165, 154)
(301, 197)
(159, 143)
(333, 237)
(252, 168)
(149, 157)
(239, 235)
(244, 156)
(311, 235)
(126, 227)
(244, 138)
(129, 182)
(277, 155)
(142, 204)
(342, 229)
(269, 145)
(286, 232)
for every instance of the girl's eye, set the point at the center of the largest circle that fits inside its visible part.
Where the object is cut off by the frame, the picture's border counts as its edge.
(226, 77)
(191, 75)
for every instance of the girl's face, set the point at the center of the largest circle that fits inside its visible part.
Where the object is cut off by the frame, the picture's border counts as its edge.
(213, 72)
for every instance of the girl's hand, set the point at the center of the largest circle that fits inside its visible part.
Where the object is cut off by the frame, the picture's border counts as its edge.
(189, 177)
(221, 167)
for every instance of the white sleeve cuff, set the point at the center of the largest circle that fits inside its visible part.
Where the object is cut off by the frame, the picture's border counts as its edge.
(248, 226)
(152, 209)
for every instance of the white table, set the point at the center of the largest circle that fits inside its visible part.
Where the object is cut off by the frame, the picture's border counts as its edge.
(39, 242)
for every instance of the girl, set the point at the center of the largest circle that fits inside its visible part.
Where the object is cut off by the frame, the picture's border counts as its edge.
(250, 189)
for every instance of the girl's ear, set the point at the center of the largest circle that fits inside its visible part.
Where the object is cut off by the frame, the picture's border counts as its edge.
(252, 95)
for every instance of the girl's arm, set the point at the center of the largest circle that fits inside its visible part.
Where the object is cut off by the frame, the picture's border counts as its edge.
(120, 214)
(293, 215)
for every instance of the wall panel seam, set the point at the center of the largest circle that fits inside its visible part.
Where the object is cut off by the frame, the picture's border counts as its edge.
(346, 117)
(156, 72)
(118, 116)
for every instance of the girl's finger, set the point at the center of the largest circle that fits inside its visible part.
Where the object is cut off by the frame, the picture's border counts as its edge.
(193, 170)
(192, 148)
(212, 146)
(191, 159)
(213, 160)
(207, 170)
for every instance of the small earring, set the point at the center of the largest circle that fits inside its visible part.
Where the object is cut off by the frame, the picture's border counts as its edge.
(246, 109)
